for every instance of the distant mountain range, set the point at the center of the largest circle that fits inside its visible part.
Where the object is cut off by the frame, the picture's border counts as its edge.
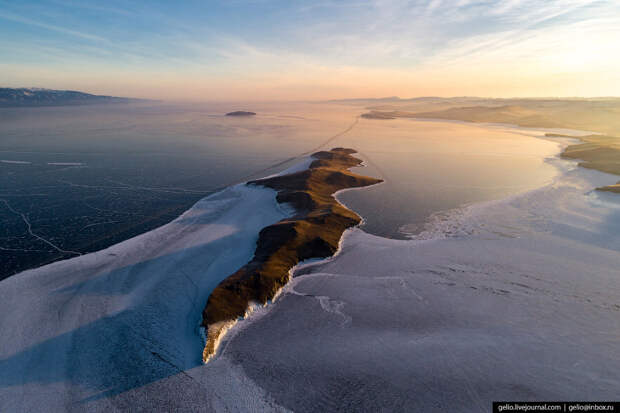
(27, 97)
(470, 100)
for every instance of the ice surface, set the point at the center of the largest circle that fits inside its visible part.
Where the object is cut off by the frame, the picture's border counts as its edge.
(511, 299)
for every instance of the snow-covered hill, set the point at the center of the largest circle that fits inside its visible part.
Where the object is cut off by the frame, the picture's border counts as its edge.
(19, 97)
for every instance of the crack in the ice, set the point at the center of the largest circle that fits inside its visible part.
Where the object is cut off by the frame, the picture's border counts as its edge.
(29, 227)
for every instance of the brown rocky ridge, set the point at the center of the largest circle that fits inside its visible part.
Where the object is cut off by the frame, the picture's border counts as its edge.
(313, 231)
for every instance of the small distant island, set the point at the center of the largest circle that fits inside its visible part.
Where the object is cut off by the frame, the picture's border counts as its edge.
(377, 115)
(240, 113)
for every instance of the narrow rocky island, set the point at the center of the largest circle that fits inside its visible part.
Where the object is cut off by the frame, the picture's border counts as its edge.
(313, 231)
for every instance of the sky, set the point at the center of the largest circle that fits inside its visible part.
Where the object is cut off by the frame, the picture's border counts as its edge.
(312, 50)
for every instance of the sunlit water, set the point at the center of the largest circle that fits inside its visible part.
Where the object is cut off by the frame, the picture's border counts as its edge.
(86, 177)
(431, 166)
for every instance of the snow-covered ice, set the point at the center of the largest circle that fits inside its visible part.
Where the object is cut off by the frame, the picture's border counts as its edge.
(78, 333)
(510, 299)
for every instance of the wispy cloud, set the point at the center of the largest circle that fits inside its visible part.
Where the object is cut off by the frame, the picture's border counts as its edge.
(58, 29)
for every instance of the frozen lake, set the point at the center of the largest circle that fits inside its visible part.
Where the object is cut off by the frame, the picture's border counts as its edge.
(79, 179)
